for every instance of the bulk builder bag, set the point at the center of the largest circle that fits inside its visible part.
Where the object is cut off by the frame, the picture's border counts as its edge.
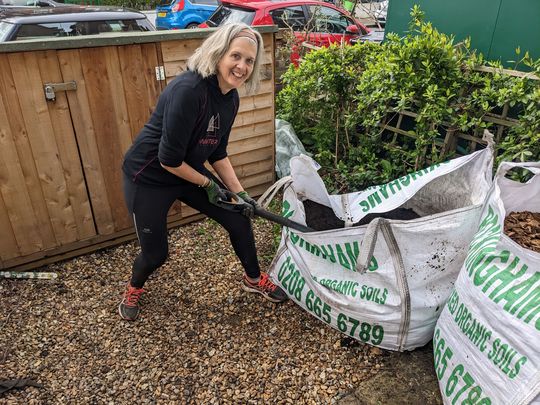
(385, 282)
(487, 339)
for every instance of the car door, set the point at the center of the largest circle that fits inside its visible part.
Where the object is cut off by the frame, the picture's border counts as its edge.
(293, 18)
(204, 8)
(328, 25)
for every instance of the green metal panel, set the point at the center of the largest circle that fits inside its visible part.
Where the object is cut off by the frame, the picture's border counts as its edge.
(518, 25)
(462, 18)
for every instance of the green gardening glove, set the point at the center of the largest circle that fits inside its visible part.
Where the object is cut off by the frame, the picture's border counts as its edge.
(245, 196)
(215, 193)
(249, 211)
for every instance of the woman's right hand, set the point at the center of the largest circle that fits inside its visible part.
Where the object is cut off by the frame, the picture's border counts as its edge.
(214, 192)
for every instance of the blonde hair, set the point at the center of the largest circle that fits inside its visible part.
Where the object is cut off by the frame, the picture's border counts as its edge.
(205, 59)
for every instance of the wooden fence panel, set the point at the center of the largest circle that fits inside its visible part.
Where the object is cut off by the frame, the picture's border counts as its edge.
(86, 139)
(67, 148)
(52, 175)
(108, 110)
(15, 200)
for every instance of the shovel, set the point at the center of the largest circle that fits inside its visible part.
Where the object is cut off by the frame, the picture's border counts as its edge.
(236, 204)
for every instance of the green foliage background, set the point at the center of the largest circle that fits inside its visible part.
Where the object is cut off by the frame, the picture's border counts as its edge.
(135, 4)
(337, 97)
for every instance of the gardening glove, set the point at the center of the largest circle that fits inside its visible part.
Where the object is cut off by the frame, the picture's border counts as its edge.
(215, 193)
(249, 211)
(245, 196)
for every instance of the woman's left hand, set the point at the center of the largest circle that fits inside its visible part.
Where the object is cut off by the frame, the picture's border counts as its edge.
(245, 196)
(215, 193)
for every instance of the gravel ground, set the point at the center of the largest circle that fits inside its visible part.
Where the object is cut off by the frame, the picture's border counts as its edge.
(200, 338)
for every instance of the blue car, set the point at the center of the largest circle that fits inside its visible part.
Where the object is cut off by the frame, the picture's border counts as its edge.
(179, 14)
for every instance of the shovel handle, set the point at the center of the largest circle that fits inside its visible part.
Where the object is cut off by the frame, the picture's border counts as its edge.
(237, 204)
(278, 219)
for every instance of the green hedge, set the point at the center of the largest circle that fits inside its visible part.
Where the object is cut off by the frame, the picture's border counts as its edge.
(135, 4)
(338, 96)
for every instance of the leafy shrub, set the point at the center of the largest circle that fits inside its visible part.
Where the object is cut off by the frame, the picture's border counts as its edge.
(338, 96)
(135, 4)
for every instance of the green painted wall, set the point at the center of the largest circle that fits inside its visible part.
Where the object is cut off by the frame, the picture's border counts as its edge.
(496, 27)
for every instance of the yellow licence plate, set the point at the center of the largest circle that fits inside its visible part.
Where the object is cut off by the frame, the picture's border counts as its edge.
(162, 14)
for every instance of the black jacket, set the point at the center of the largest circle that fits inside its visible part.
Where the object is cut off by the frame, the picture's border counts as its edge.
(191, 123)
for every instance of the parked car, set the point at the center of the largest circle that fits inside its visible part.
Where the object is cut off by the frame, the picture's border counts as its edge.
(28, 22)
(30, 3)
(380, 14)
(371, 10)
(324, 22)
(179, 14)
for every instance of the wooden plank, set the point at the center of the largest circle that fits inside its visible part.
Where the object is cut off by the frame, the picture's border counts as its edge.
(258, 179)
(134, 79)
(150, 56)
(29, 217)
(256, 101)
(250, 144)
(79, 248)
(473, 139)
(187, 211)
(67, 148)
(266, 86)
(173, 69)
(18, 201)
(259, 189)
(179, 50)
(253, 117)
(8, 244)
(506, 121)
(508, 72)
(81, 115)
(250, 169)
(40, 132)
(268, 55)
(251, 156)
(119, 102)
(176, 209)
(116, 39)
(110, 123)
(249, 131)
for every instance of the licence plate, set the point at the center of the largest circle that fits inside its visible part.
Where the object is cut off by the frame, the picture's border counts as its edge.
(162, 14)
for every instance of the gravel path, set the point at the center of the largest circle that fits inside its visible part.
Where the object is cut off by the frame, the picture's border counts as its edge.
(200, 338)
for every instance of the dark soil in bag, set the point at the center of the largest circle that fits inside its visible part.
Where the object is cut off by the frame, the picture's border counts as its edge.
(524, 229)
(322, 218)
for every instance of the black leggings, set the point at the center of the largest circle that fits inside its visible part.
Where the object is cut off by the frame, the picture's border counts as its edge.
(149, 207)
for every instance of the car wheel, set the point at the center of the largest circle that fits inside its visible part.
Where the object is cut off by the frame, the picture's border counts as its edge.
(192, 26)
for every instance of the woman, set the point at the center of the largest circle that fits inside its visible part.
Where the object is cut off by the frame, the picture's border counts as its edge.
(191, 125)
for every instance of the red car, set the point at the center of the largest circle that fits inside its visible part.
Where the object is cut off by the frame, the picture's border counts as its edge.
(324, 22)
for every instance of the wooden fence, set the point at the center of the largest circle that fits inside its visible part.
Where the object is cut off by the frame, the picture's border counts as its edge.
(60, 176)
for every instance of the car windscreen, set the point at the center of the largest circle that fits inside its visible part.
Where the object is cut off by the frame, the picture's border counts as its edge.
(5, 30)
(226, 14)
(165, 2)
(76, 28)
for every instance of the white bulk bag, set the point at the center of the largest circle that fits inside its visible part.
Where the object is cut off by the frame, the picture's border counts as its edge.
(384, 283)
(487, 340)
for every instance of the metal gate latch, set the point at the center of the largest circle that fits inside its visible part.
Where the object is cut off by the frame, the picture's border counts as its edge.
(50, 89)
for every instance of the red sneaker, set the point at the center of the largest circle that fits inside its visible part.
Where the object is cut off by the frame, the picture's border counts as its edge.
(266, 288)
(129, 308)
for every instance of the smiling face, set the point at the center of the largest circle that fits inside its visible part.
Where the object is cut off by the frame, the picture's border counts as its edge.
(235, 67)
